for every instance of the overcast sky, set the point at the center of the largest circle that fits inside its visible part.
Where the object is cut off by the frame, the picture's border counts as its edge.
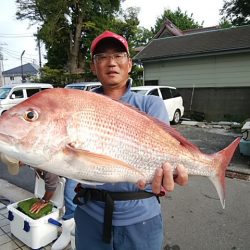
(16, 36)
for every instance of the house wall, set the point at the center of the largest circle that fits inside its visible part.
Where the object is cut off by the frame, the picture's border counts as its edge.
(213, 71)
(218, 86)
(7, 80)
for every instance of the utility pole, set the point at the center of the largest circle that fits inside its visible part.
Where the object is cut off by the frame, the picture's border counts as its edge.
(1, 68)
(39, 49)
(22, 65)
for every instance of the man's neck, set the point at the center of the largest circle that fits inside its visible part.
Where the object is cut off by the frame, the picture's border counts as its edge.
(116, 92)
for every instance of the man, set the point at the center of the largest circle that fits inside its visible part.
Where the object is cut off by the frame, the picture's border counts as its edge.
(128, 219)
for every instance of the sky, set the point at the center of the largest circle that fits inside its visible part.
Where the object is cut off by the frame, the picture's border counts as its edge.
(17, 36)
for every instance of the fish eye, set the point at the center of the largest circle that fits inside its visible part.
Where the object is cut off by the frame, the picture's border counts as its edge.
(30, 115)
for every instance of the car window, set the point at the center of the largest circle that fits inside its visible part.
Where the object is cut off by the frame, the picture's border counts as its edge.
(75, 87)
(91, 87)
(18, 93)
(175, 93)
(166, 94)
(142, 92)
(153, 92)
(31, 92)
(4, 92)
(94, 86)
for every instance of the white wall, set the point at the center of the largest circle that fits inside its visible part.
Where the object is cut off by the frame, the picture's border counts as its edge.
(17, 79)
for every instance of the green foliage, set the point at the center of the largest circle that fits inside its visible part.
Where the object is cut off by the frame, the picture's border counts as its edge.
(67, 26)
(137, 73)
(225, 24)
(178, 18)
(59, 77)
(237, 12)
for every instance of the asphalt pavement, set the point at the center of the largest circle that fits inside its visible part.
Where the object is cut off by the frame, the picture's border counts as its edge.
(193, 215)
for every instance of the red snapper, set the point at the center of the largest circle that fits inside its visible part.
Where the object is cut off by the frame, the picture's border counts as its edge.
(90, 137)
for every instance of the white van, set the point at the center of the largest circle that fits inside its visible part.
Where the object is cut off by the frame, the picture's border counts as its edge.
(12, 94)
(170, 96)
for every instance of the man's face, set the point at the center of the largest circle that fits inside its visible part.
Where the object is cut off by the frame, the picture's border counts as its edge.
(112, 67)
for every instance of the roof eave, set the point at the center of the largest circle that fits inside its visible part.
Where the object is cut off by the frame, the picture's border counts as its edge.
(191, 55)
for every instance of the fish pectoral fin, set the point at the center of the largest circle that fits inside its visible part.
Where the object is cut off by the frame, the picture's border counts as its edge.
(104, 168)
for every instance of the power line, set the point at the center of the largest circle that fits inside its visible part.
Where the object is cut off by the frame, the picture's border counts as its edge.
(18, 56)
(16, 36)
(16, 52)
(12, 34)
(20, 35)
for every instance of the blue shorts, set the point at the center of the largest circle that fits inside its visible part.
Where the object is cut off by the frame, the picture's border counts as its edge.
(69, 194)
(146, 235)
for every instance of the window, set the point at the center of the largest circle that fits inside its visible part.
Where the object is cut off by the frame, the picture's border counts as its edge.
(166, 94)
(31, 92)
(18, 94)
(175, 93)
(93, 87)
(4, 92)
(153, 92)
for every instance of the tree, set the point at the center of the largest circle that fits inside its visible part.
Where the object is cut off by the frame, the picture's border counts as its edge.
(69, 25)
(224, 23)
(236, 11)
(178, 18)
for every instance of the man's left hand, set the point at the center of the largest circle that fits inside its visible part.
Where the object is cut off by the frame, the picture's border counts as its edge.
(165, 178)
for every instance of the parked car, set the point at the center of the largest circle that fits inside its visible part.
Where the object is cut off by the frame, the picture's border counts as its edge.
(83, 85)
(171, 97)
(12, 94)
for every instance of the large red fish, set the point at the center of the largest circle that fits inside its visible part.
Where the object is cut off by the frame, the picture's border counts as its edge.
(89, 137)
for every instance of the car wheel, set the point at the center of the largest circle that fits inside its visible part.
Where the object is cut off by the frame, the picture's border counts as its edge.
(177, 117)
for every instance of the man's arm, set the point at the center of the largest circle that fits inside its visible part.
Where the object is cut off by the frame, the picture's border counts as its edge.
(51, 181)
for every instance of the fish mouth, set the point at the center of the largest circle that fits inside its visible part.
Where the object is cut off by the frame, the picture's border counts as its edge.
(6, 140)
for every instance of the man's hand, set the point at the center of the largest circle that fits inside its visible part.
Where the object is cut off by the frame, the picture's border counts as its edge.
(36, 207)
(166, 179)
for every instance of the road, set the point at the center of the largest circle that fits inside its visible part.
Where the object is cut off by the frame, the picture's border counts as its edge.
(193, 216)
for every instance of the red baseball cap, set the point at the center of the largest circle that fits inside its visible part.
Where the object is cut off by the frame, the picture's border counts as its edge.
(109, 34)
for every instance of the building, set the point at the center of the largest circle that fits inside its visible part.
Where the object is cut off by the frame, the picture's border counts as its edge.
(29, 71)
(210, 67)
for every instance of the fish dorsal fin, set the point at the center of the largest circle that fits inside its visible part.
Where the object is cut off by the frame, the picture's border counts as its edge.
(177, 135)
(167, 128)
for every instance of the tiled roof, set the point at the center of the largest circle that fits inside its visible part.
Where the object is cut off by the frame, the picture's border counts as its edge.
(28, 69)
(197, 44)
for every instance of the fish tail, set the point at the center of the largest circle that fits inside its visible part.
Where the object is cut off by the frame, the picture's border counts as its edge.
(222, 160)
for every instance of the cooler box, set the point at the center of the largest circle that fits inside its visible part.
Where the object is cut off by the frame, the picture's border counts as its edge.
(245, 140)
(40, 232)
(245, 147)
